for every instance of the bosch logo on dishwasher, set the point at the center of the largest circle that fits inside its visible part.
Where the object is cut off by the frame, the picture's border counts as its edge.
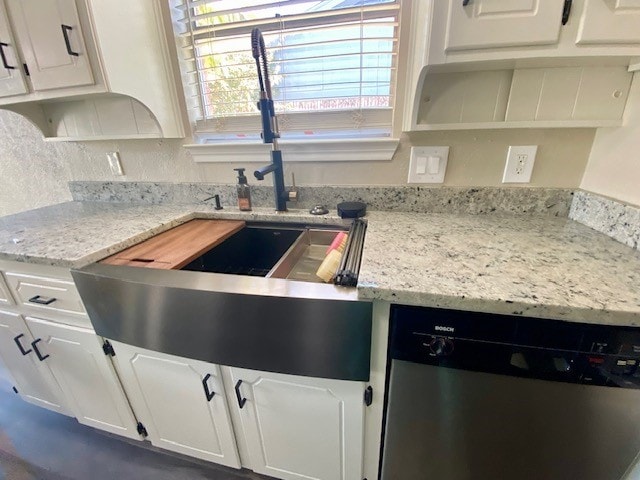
(440, 328)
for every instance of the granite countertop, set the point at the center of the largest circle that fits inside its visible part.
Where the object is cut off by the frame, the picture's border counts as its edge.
(511, 264)
(538, 266)
(75, 234)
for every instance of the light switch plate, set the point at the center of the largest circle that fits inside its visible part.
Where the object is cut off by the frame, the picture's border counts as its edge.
(519, 164)
(428, 164)
(114, 163)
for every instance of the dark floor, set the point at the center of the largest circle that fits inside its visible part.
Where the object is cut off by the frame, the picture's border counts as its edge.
(36, 444)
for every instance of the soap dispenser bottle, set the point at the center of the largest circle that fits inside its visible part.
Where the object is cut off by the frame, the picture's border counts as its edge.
(244, 191)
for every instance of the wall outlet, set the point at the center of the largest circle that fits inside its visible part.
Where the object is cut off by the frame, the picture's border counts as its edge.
(519, 164)
(428, 164)
(114, 163)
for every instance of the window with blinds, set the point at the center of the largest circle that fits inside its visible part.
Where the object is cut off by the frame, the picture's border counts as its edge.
(332, 65)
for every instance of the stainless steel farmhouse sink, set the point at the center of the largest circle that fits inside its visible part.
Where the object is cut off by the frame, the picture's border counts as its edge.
(269, 250)
(252, 301)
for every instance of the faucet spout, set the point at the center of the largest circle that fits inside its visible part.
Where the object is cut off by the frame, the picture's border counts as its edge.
(279, 190)
(259, 174)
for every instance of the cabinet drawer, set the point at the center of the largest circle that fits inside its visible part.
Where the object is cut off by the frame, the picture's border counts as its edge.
(45, 293)
(5, 296)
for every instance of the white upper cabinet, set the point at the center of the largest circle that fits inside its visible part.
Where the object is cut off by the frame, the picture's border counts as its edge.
(11, 76)
(519, 63)
(52, 43)
(502, 23)
(610, 21)
(92, 69)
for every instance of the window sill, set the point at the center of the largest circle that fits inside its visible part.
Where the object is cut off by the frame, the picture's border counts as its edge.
(344, 150)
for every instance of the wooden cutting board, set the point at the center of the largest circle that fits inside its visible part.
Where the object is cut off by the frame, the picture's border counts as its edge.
(177, 247)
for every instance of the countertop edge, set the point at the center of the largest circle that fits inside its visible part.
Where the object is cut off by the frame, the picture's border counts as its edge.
(501, 306)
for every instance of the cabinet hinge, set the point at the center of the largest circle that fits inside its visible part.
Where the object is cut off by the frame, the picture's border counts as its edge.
(368, 396)
(26, 70)
(141, 430)
(107, 348)
(15, 390)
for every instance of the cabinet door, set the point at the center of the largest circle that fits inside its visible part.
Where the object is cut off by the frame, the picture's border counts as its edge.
(610, 22)
(51, 40)
(32, 378)
(181, 403)
(502, 23)
(86, 375)
(11, 77)
(5, 296)
(301, 427)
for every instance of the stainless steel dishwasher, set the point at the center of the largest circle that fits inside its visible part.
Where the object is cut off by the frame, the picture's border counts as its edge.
(474, 396)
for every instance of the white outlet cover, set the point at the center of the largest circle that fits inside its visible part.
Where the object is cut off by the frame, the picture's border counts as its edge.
(114, 163)
(428, 164)
(519, 165)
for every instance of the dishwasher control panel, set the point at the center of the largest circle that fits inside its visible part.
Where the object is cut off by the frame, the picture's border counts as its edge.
(544, 349)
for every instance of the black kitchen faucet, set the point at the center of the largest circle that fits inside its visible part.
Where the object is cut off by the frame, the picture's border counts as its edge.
(270, 133)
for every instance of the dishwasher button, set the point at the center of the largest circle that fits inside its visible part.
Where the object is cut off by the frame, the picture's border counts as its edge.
(441, 346)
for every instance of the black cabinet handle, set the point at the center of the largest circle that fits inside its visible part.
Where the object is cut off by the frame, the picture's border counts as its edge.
(241, 399)
(20, 347)
(42, 300)
(35, 349)
(207, 392)
(65, 33)
(465, 3)
(566, 11)
(4, 58)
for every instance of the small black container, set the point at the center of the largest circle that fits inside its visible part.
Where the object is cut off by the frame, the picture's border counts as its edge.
(352, 209)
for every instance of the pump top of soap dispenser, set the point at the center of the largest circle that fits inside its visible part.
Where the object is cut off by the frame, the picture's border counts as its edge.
(242, 180)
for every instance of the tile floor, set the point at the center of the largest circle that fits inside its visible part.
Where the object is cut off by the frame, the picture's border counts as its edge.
(36, 444)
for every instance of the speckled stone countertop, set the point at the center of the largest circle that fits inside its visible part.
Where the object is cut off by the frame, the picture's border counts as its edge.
(538, 266)
(523, 265)
(75, 234)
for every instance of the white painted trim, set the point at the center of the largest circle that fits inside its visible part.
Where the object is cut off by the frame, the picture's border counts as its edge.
(343, 150)
(522, 124)
(137, 136)
(377, 380)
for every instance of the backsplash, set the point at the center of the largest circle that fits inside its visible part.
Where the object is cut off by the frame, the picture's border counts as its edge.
(617, 220)
(550, 201)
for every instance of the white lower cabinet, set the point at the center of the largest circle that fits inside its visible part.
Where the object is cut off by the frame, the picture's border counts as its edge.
(301, 427)
(181, 403)
(33, 379)
(85, 374)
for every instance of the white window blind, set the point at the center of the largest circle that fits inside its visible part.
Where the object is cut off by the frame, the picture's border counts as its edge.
(332, 65)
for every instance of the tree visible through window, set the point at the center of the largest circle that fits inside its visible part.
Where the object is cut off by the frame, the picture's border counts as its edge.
(324, 56)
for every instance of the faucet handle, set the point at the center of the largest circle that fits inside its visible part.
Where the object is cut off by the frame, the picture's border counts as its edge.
(292, 193)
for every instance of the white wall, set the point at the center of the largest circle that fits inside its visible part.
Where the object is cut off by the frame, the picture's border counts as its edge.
(614, 164)
(35, 173)
(32, 173)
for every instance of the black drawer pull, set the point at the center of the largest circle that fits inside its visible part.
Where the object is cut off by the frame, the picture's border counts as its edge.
(35, 349)
(241, 399)
(465, 3)
(566, 11)
(4, 58)
(65, 33)
(207, 393)
(42, 300)
(20, 347)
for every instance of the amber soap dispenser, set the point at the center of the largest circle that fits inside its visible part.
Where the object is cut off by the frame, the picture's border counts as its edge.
(244, 191)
